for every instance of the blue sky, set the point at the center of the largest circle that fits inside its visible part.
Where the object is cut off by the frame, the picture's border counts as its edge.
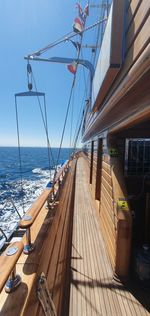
(26, 26)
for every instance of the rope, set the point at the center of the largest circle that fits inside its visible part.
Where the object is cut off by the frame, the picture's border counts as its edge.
(19, 153)
(44, 297)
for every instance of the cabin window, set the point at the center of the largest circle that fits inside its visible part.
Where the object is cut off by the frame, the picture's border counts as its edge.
(137, 157)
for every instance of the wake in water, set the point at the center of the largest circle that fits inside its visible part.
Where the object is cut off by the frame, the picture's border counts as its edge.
(35, 177)
(13, 198)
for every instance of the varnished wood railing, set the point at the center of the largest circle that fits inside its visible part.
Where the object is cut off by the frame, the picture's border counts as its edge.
(30, 216)
(11, 255)
(8, 262)
(61, 172)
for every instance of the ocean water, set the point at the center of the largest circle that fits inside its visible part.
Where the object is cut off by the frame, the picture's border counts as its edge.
(16, 194)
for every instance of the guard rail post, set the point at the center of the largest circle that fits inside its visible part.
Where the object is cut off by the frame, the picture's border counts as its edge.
(8, 260)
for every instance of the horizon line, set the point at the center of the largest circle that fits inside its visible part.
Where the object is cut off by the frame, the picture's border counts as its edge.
(14, 146)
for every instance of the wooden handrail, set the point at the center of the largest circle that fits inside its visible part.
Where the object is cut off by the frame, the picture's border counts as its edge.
(30, 216)
(7, 266)
(60, 172)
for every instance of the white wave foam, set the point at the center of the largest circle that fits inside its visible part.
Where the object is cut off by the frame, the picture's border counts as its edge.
(37, 170)
(9, 217)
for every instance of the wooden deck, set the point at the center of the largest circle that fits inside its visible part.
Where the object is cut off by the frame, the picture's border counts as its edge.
(93, 290)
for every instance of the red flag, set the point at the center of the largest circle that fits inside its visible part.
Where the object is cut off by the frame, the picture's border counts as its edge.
(79, 8)
(72, 67)
(81, 13)
(78, 26)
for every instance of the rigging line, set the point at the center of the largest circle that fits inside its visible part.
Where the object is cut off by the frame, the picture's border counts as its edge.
(43, 50)
(81, 109)
(72, 87)
(44, 123)
(19, 153)
(71, 125)
(79, 116)
(68, 106)
(76, 139)
(84, 76)
(48, 149)
(78, 124)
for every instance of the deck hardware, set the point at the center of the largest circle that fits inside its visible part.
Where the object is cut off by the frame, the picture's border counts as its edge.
(13, 281)
(11, 251)
(45, 297)
(27, 217)
(29, 247)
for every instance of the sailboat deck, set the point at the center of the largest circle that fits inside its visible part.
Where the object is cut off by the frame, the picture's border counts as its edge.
(93, 290)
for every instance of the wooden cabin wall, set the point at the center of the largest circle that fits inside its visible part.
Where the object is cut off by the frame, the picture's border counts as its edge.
(99, 163)
(108, 180)
(128, 100)
(94, 166)
(107, 212)
(88, 153)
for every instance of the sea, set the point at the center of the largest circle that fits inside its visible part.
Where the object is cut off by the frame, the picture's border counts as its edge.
(20, 187)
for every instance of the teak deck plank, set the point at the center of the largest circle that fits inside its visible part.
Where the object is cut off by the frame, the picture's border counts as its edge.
(93, 290)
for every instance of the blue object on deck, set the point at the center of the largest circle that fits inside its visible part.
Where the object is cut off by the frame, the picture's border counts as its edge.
(49, 184)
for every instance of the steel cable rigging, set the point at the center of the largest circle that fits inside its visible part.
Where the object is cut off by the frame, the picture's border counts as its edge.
(30, 79)
(70, 96)
(63, 39)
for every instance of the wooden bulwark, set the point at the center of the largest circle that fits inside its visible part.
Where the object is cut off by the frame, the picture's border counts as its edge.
(50, 234)
(40, 201)
(53, 260)
(14, 304)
